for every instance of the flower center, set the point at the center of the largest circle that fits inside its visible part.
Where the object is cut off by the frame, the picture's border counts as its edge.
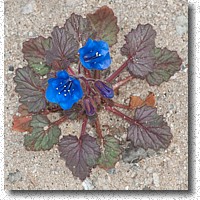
(64, 87)
(91, 56)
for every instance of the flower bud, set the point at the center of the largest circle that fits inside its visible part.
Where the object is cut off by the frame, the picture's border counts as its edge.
(89, 106)
(104, 90)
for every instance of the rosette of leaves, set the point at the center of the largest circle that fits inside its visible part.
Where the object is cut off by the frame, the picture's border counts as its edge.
(46, 56)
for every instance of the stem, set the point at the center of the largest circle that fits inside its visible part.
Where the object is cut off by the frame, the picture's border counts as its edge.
(118, 71)
(84, 124)
(97, 74)
(88, 88)
(120, 114)
(122, 82)
(98, 128)
(70, 70)
(60, 121)
(79, 67)
(87, 73)
(119, 105)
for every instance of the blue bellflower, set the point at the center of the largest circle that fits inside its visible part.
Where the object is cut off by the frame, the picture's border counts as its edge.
(64, 90)
(95, 55)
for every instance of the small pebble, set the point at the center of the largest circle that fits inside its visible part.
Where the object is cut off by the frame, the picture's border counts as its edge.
(111, 171)
(87, 184)
(181, 25)
(28, 8)
(11, 68)
(156, 180)
(14, 176)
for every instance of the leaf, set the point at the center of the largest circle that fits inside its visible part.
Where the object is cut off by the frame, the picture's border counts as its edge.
(111, 152)
(21, 123)
(166, 64)
(105, 24)
(64, 48)
(43, 136)
(31, 89)
(149, 130)
(79, 27)
(34, 52)
(73, 112)
(23, 110)
(150, 100)
(138, 48)
(136, 101)
(80, 154)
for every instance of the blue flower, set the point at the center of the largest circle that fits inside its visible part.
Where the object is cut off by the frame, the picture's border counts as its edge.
(104, 90)
(64, 90)
(95, 55)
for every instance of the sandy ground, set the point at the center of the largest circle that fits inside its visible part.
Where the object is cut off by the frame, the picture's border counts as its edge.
(167, 170)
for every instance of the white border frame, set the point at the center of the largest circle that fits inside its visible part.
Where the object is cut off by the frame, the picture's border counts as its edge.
(194, 125)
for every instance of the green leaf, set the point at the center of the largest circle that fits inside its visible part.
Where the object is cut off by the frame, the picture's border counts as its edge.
(104, 23)
(111, 152)
(166, 65)
(31, 89)
(74, 112)
(43, 136)
(34, 51)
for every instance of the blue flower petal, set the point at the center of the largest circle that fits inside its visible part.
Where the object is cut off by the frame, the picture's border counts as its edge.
(54, 82)
(64, 90)
(95, 55)
(85, 64)
(66, 105)
(62, 74)
(104, 64)
(51, 95)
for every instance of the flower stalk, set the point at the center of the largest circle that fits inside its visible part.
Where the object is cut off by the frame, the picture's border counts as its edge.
(122, 82)
(71, 71)
(98, 128)
(84, 124)
(118, 71)
(119, 105)
(120, 114)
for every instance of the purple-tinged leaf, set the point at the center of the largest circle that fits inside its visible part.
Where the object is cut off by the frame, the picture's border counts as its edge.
(167, 63)
(64, 49)
(110, 155)
(149, 130)
(43, 136)
(31, 89)
(104, 23)
(74, 112)
(34, 51)
(138, 48)
(79, 27)
(80, 154)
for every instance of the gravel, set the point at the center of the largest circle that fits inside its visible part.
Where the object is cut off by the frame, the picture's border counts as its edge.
(181, 25)
(166, 170)
(28, 7)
